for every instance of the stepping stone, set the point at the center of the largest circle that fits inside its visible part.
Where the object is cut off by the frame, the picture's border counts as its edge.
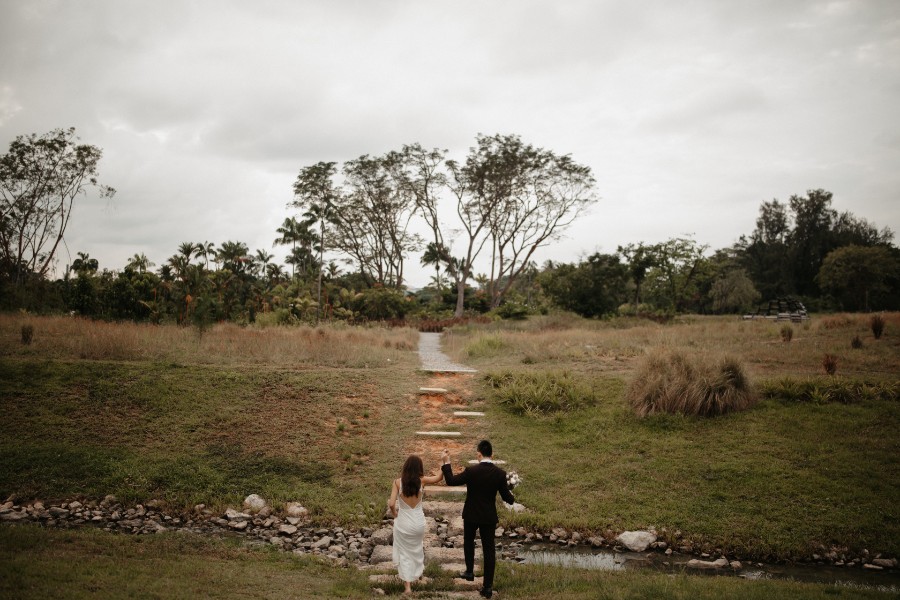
(434, 508)
(439, 433)
(445, 489)
(496, 462)
(445, 555)
(467, 413)
(432, 391)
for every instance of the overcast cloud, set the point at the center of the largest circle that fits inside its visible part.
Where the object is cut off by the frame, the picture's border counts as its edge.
(690, 114)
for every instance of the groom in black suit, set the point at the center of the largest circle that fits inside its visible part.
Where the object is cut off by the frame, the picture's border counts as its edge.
(483, 481)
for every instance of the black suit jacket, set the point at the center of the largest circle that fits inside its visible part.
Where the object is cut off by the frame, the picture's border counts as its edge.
(483, 481)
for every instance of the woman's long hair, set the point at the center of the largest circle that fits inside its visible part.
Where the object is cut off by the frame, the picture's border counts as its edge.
(411, 477)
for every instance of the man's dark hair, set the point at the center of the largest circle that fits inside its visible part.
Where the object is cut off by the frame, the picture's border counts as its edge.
(485, 448)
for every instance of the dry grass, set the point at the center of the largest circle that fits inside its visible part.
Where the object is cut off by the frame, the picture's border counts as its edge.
(615, 348)
(70, 338)
(677, 383)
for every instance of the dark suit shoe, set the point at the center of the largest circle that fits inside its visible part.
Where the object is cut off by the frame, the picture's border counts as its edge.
(467, 575)
(486, 592)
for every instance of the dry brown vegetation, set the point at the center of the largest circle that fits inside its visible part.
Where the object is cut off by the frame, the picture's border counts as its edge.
(617, 347)
(69, 338)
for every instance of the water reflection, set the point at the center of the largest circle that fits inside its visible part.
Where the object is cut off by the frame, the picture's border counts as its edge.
(607, 560)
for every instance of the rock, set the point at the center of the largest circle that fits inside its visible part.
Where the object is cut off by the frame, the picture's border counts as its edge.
(233, 515)
(38, 505)
(58, 513)
(265, 511)
(887, 563)
(322, 543)
(293, 520)
(381, 554)
(287, 530)
(154, 527)
(576, 537)
(872, 567)
(595, 541)
(254, 503)
(75, 505)
(383, 536)
(514, 507)
(560, 533)
(706, 564)
(131, 523)
(277, 541)
(736, 565)
(13, 516)
(238, 525)
(295, 509)
(636, 541)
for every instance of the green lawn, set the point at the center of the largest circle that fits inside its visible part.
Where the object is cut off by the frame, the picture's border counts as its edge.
(86, 563)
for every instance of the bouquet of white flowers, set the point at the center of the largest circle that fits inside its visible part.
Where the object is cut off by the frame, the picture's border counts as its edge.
(513, 479)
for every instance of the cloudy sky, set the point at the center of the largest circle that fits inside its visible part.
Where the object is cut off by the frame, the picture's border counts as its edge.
(689, 113)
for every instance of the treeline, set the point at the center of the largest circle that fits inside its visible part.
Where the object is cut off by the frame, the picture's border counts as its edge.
(510, 198)
(803, 248)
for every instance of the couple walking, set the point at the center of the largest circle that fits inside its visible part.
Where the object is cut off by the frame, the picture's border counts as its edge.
(483, 482)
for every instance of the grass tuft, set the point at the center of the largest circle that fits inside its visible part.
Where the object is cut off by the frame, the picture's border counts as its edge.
(787, 333)
(672, 382)
(877, 324)
(27, 333)
(540, 392)
(856, 343)
(829, 363)
(822, 391)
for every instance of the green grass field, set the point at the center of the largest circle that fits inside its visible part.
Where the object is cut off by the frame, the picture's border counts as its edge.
(322, 416)
(86, 563)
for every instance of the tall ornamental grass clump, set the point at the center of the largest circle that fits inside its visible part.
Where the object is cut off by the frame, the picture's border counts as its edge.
(674, 382)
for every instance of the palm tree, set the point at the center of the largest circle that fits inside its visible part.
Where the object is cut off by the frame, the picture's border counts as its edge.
(206, 249)
(85, 264)
(261, 260)
(275, 272)
(140, 263)
(289, 234)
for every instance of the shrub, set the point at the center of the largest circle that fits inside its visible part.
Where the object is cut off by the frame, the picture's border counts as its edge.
(540, 392)
(787, 333)
(819, 391)
(829, 363)
(485, 347)
(27, 333)
(672, 382)
(877, 324)
(856, 343)
(512, 310)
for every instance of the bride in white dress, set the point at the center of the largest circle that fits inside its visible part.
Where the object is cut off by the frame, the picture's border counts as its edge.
(409, 520)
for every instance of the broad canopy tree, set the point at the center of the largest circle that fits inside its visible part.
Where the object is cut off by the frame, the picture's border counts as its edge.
(40, 177)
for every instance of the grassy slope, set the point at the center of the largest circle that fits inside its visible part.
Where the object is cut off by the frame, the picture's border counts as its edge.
(86, 563)
(201, 433)
(774, 481)
(213, 428)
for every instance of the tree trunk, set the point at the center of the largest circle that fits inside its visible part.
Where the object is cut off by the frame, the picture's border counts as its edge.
(460, 297)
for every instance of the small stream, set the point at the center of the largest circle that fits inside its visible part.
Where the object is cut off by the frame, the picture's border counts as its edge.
(607, 560)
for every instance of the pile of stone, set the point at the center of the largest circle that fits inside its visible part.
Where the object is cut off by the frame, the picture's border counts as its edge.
(290, 530)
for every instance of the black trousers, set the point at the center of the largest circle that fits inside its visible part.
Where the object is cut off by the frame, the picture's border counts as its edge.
(486, 531)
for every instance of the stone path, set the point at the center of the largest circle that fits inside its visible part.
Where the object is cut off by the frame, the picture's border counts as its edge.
(448, 423)
(433, 359)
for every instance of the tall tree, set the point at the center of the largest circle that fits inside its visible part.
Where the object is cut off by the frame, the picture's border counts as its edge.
(518, 196)
(862, 278)
(811, 238)
(40, 177)
(372, 223)
(316, 194)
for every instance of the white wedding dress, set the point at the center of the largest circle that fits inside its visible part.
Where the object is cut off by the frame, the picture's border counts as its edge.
(409, 537)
